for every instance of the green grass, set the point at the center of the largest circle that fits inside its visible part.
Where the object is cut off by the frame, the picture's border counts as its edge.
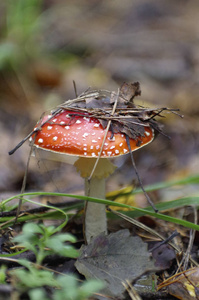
(135, 211)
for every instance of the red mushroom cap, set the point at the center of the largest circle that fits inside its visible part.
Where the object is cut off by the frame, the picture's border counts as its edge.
(78, 134)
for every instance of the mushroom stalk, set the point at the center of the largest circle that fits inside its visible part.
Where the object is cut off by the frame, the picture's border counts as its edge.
(95, 213)
(95, 221)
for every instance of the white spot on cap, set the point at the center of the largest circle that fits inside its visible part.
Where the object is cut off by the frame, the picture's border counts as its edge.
(94, 141)
(67, 127)
(93, 154)
(55, 138)
(85, 145)
(54, 120)
(87, 119)
(78, 128)
(40, 141)
(99, 138)
(111, 139)
(62, 123)
(125, 150)
(84, 148)
(117, 151)
(96, 125)
(105, 144)
(49, 127)
(112, 147)
(91, 147)
(78, 122)
(121, 144)
(97, 147)
(93, 133)
(122, 135)
(147, 133)
(109, 153)
(85, 134)
(85, 153)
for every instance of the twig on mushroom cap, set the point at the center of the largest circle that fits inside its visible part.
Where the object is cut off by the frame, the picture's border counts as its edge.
(105, 135)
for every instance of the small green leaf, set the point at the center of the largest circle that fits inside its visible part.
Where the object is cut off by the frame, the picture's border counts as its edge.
(55, 244)
(91, 286)
(66, 237)
(3, 274)
(36, 294)
(34, 278)
(32, 228)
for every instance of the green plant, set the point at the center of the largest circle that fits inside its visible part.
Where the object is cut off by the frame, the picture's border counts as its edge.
(70, 289)
(33, 279)
(32, 276)
(43, 241)
(191, 200)
(3, 274)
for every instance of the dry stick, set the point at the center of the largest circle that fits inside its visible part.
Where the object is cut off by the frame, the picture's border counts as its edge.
(131, 290)
(106, 132)
(165, 241)
(75, 88)
(28, 162)
(138, 176)
(191, 240)
(22, 142)
(34, 131)
(24, 182)
(10, 221)
(151, 231)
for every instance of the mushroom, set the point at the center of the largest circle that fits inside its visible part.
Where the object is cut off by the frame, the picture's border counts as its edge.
(77, 137)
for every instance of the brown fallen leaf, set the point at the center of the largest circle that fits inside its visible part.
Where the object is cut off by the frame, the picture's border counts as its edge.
(114, 259)
(163, 255)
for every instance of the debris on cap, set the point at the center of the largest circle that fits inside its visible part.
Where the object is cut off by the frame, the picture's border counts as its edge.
(77, 127)
(72, 133)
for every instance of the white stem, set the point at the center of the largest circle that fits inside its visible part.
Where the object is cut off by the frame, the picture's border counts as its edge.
(95, 213)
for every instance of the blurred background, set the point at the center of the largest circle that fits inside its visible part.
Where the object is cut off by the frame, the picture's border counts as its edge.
(46, 44)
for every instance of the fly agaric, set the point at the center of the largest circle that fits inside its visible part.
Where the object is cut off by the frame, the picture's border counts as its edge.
(91, 129)
(79, 135)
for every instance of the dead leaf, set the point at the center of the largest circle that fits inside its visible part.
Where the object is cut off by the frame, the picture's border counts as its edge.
(183, 286)
(129, 91)
(114, 259)
(163, 255)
